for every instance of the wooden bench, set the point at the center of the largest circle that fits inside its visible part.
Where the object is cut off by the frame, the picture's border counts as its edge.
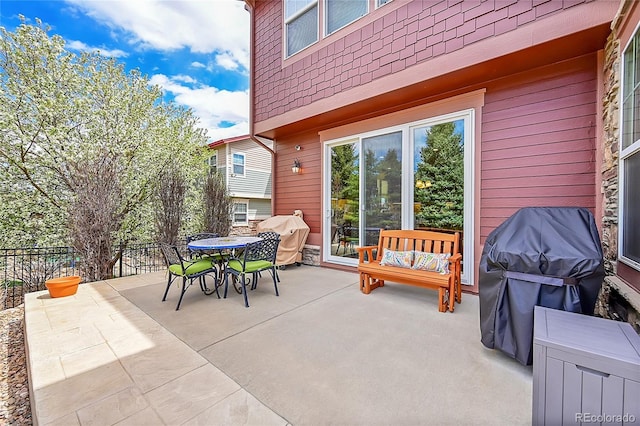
(373, 275)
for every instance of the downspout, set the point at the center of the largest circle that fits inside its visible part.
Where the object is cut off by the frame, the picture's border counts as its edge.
(248, 5)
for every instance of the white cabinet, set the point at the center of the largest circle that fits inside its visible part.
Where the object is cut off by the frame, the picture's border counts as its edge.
(586, 370)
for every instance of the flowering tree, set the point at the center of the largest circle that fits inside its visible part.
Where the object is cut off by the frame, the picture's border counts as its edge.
(62, 114)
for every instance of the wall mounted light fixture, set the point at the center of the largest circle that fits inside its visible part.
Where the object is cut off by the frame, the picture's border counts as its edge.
(296, 166)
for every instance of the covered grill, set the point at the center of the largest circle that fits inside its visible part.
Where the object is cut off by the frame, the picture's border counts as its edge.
(293, 235)
(545, 256)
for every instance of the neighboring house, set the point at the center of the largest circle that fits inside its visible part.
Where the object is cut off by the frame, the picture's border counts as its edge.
(367, 95)
(246, 167)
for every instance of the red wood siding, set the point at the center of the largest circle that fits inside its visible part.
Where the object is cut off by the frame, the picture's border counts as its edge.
(537, 148)
(400, 38)
(302, 191)
(538, 141)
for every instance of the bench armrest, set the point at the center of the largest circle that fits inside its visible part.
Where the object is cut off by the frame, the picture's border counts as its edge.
(368, 250)
(454, 265)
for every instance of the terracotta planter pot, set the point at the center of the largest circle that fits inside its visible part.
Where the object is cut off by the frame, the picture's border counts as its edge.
(63, 286)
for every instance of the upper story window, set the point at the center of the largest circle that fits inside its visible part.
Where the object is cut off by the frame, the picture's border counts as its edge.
(238, 164)
(301, 24)
(629, 176)
(303, 18)
(213, 162)
(340, 13)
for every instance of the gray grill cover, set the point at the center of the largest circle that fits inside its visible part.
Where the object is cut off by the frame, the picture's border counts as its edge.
(545, 256)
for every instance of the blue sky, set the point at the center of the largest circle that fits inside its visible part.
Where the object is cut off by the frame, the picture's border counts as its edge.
(198, 51)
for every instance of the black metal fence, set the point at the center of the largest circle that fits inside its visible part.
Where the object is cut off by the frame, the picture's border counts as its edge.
(25, 270)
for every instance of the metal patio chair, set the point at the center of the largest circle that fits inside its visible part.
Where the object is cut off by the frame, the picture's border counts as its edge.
(345, 240)
(195, 237)
(257, 257)
(271, 235)
(188, 270)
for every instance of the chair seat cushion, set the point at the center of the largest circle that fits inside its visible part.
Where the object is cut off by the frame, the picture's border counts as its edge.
(251, 266)
(192, 267)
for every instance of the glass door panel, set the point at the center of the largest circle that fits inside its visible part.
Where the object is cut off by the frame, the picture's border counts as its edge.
(418, 175)
(345, 199)
(438, 178)
(382, 184)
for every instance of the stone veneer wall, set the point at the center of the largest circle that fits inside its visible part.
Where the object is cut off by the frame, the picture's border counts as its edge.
(616, 300)
(251, 229)
(311, 255)
(610, 117)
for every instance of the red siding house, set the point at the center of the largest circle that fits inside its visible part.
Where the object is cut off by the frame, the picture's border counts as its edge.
(448, 114)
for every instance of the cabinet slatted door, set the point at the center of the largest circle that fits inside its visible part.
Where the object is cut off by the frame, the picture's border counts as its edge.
(585, 370)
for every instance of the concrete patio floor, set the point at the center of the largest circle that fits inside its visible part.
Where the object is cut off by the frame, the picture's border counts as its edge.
(321, 353)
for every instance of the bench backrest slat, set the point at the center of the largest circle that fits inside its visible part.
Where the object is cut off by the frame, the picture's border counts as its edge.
(427, 241)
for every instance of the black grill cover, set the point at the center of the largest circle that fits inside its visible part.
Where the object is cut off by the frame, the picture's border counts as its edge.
(545, 256)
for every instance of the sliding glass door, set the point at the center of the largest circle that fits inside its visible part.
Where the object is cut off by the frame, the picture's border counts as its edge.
(414, 176)
(382, 183)
(344, 199)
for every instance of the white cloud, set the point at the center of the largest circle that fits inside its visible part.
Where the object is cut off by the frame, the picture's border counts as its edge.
(83, 47)
(200, 25)
(216, 28)
(212, 105)
(238, 129)
(184, 79)
(226, 61)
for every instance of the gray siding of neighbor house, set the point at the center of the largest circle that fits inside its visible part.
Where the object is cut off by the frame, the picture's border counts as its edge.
(255, 183)
(223, 172)
(259, 209)
(256, 156)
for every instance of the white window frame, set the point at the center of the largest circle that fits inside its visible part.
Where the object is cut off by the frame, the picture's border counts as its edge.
(626, 153)
(407, 218)
(326, 20)
(321, 22)
(246, 213)
(233, 164)
(292, 18)
(213, 165)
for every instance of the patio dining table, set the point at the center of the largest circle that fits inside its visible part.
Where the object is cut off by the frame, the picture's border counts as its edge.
(222, 243)
(219, 245)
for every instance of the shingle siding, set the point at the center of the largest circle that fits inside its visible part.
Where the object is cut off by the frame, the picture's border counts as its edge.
(413, 33)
